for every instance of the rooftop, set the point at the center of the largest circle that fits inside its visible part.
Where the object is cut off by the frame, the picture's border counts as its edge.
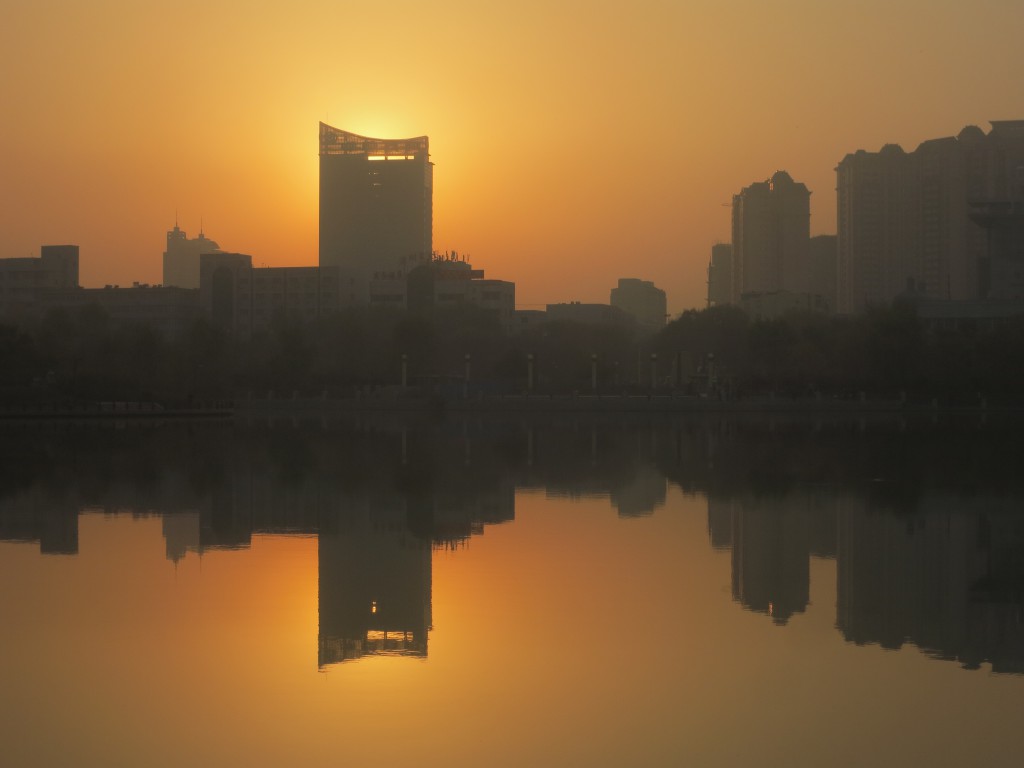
(334, 141)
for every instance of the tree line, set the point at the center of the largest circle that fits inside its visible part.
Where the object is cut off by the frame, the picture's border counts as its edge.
(83, 355)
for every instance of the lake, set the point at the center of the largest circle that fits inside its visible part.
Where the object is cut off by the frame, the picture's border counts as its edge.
(547, 589)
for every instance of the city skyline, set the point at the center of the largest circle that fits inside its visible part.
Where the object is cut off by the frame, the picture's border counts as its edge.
(122, 115)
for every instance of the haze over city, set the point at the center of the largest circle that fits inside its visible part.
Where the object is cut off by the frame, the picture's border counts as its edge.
(573, 145)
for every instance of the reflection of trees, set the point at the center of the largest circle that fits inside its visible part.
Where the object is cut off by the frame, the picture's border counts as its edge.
(451, 470)
(891, 460)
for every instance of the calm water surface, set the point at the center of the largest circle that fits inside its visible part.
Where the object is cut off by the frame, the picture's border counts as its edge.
(565, 591)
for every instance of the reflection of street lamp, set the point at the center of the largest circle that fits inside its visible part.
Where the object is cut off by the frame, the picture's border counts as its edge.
(654, 369)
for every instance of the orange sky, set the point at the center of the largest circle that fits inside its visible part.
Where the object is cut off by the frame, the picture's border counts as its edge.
(574, 143)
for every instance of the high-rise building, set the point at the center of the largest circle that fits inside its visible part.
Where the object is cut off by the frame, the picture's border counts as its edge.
(771, 231)
(875, 220)
(720, 275)
(376, 207)
(181, 259)
(905, 218)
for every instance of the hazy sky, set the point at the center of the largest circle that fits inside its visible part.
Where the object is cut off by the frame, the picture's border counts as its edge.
(573, 143)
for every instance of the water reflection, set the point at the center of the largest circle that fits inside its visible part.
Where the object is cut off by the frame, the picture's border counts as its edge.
(947, 577)
(924, 521)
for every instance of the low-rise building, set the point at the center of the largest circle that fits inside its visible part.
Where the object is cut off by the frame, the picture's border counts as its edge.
(167, 309)
(642, 300)
(23, 280)
(524, 320)
(770, 304)
(447, 280)
(592, 314)
(246, 299)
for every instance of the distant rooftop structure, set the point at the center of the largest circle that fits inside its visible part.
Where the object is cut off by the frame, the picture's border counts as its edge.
(642, 300)
(590, 314)
(181, 259)
(334, 141)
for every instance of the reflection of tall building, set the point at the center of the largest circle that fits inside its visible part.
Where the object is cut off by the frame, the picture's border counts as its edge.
(818, 517)
(720, 513)
(181, 534)
(376, 206)
(995, 614)
(770, 558)
(942, 578)
(641, 495)
(33, 516)
(375, 578)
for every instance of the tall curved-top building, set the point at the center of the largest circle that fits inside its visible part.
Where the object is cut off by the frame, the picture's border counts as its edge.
(376, 207)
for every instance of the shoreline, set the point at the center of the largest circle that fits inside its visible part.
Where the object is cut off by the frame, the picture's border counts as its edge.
(501, 405)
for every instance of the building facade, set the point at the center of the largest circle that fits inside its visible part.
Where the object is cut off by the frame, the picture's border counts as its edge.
(642, 300)
(246, 299)
(720, 275)
(588, 314)
(24, 280)
(376, 206)
(166, 309)
(905, 219)
(448, 280)
(771, 231)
